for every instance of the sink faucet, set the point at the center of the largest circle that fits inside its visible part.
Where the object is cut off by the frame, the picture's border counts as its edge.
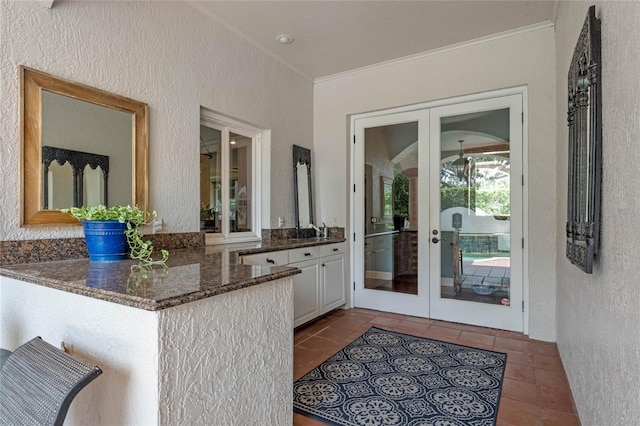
(320, 232)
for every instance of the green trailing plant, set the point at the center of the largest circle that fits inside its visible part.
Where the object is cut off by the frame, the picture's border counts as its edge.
(135, 218)
(142, 272)
(206, 212)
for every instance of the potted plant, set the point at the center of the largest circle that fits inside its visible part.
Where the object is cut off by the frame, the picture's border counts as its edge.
(400, 200)
(207, 215)
(114, 233)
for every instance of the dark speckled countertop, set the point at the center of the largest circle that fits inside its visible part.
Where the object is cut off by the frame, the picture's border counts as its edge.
(190, 274)
(274, 245)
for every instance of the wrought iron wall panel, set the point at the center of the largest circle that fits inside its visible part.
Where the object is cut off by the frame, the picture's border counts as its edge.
(78, 161)
(584, 119)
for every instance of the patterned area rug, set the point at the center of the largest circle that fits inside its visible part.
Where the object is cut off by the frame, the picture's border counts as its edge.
(389, 378)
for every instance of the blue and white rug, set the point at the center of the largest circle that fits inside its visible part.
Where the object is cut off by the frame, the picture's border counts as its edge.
(389, 378)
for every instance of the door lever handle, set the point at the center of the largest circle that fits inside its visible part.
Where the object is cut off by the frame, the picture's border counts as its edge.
(435, 240)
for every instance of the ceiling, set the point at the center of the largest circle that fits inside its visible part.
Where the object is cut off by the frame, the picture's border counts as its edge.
(332, 37)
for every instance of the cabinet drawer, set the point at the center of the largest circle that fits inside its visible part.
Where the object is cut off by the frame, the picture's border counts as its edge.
(272, 258)
(382, 242)
(330, 249)
(305, 253)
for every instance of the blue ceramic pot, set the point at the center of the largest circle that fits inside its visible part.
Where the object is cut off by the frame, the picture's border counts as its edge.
(106, 241)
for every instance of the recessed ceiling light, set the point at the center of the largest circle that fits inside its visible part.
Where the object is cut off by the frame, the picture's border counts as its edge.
(285, 39)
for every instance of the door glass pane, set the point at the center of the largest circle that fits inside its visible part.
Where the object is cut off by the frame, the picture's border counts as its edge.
(240, 190)
(391, 208)
(475, 208)
(210, 180)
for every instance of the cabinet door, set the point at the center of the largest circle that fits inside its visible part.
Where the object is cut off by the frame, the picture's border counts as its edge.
(306, 303)
(369, 258)
(332, 283)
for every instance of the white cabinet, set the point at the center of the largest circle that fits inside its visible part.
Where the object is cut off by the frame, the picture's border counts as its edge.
(320, 287)
(306, 297)
(332, 282)
(379, 256)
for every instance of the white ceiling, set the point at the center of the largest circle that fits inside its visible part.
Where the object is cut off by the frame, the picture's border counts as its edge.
(337, 36)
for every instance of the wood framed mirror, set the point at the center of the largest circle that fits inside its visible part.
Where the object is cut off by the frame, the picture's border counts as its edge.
(71, 116)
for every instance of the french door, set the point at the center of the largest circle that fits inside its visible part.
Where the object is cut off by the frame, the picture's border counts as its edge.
(437, 212)
(388, 271)
(475, 213)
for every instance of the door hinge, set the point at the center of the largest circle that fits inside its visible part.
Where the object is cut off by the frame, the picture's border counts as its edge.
(521, 115)
(354, 286)
(523, 306)
(354, 236)
(522, 180)
(523, 243)
(354, 187)
(354, 139)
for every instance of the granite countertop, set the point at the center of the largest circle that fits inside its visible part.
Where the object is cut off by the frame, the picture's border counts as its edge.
(190, 274)
(275, 245)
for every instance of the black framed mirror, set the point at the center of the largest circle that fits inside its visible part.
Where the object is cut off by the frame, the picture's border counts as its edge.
(584, 117)
(302, 190)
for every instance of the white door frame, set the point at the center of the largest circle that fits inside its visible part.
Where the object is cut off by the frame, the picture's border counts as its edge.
(483, 314)
(409, 304)
(525, 189)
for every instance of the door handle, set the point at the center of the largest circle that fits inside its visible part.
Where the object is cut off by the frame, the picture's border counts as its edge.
(271, 261)
(435, 240)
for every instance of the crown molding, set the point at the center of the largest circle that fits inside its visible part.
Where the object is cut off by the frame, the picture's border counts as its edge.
(461, 45)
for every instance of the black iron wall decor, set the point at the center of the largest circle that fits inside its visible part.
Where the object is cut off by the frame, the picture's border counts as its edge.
(584, 118)
(78, 161)
(303, 193)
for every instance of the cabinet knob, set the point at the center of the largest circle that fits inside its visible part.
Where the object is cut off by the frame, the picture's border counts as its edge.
(323, 264)
(271, 261)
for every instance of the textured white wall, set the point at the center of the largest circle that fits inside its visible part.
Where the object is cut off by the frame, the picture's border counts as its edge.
(223, 360)
(229, 360)
(176, 59)
(122, 341)
(522, 59)
(598, 314)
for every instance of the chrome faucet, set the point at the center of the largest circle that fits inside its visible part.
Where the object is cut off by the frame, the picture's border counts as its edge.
(320, 232)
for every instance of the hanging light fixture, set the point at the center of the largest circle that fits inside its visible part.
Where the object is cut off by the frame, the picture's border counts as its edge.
(461, 164)
(208, 154)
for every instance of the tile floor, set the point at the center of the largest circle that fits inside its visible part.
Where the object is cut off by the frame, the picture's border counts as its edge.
(535, 389)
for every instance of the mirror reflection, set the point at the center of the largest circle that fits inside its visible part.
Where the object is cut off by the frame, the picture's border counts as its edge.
(304, 216)
(81, 145)
(74, 171)
(85, 136)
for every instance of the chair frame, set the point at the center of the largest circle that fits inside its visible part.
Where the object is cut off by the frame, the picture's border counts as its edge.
(32, 368)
